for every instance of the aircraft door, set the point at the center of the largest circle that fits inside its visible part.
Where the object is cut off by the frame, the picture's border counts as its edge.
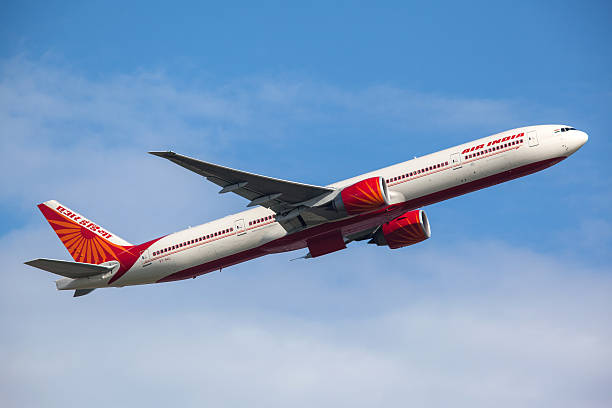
(239, 225)
(532, 137)
(455, 161)
(145, 258)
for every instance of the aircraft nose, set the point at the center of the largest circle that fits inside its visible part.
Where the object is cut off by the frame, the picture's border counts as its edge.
(575, 140)
(581, 138)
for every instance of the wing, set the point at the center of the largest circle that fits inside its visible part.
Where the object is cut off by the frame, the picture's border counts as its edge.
(276, 194)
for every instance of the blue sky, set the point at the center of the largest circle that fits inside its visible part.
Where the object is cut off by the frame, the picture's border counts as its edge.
(508, 301)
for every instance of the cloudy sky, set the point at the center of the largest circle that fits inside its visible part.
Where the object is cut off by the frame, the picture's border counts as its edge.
(509, 302)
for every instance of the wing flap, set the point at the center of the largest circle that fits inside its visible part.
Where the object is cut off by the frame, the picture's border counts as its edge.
(69, 269)
(82, 292)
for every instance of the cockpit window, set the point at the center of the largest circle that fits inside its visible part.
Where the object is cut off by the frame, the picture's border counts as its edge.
(565, 129)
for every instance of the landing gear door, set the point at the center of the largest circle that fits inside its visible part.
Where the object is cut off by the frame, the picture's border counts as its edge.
(455, 161)
(240, 229)
(532, 137)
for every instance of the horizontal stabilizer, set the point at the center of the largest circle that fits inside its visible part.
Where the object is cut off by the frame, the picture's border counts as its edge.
(69, 269)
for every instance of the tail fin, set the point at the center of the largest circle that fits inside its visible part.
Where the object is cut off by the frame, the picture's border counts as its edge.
(85, 240)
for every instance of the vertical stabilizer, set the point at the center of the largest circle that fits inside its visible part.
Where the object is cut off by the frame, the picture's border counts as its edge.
(85, 240)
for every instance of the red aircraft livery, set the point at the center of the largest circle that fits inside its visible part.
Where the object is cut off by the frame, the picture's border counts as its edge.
(85, 223)
(493, 142)
(382, 207)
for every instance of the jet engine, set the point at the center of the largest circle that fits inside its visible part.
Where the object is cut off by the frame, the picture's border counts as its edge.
(364, 196)
(408, 229)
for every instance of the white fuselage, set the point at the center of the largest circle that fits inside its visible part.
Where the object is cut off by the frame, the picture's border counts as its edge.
(410, 180)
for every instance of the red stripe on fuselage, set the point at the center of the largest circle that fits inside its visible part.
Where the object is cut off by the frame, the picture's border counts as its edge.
(360, 222)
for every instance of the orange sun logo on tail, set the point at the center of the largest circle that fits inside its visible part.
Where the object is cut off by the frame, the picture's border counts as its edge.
(85, 240)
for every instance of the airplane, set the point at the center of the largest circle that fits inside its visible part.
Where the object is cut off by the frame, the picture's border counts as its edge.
(382, 207)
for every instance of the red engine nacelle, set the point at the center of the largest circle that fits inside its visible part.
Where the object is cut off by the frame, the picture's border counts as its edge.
(364, 196)
(408, 229)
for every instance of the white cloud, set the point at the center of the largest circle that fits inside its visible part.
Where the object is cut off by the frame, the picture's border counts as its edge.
(363, 327)
(464, 325)
(61, 128)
